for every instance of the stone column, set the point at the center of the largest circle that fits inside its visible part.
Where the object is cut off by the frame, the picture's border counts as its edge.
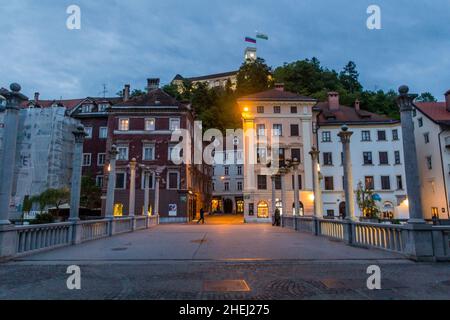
(296, 187)
(109, 210)
(8, 156)
(348, 176)
(156, 205)
(316, 183)
(132, 200)
(75, 191)
(283, 191)
(273, 207)
(146, 192)
(405, 103)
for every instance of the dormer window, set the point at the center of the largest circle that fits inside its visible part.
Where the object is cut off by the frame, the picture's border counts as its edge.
(102, 107)
(86, 108)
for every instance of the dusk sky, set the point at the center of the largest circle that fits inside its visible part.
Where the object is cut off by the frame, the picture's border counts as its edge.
(128, 41)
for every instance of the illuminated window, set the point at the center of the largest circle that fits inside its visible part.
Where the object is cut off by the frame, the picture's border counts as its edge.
(124, 124)
(263, 210)
(150, 124)
(174, 124)
(118, 210)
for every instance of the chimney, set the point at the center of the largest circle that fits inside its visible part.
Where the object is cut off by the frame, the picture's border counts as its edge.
(357, 106)
(126, 92)
(447, 100)
(36, 97)
(333, 100)
(279, 86)
(152, 84)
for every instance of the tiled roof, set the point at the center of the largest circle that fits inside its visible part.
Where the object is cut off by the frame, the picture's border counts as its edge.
(436, 111)
(213, 76)
(157, 97)
(275, 95)
(69, 104)
(348, 115)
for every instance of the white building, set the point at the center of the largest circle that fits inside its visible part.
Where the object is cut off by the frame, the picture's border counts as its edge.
(432, 134)
(376, 154)
(283, 118)
(228, 182)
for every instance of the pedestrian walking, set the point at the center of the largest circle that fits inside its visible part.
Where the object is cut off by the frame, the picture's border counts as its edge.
(202, 216)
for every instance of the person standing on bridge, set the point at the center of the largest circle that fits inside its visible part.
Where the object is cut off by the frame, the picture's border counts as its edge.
(202, 216)
(276, 220)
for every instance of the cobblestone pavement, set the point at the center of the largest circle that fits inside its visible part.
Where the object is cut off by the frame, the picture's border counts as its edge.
(177, 262)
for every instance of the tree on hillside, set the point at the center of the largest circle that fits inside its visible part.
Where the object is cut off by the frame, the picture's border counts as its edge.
(253, 76)
(349, 78)
(426, 97)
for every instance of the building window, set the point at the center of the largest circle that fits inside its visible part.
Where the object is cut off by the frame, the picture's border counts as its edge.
(149, 124)
(261, 129)
(103, 132)
(102, 107)
(262, 182)
(174, 124)
(426, 136)
(122, 153)
(277, 109)
(330, 213)
(367, 158)
(239, 185)
(226, 186)
(420, 122)
(173, 182)
(327, 159)
(239, 170)
(326, 136)
(294, 130)
(365, 135)
(385, 183)
(86, 108)
(369, 183)
(295, 154)
(329, 183)
(299, 182)
(384, 159)
(124, 124)
(277, 182)
(101, 159)
(86, 159)
(263, 210)
(414, 112)
(260, 109)
(227, 171)
(435, 212)
(88, 131)
(395, 134)
(150, 181)
(277, 130)
(397, 157)
(429, 163)
(399, 183)
(294, 109)
(121, 180)
(99, 181)
(381, 135)
(148, 153)
(261, 155)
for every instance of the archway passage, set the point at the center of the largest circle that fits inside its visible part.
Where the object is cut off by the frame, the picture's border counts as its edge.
(228, 206)
(342, 210)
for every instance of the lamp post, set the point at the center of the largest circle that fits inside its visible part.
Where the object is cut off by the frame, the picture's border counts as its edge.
(109, 210)
(345, 136)
(316, 183)
(13, 99)
(405, 104)
(75, 190)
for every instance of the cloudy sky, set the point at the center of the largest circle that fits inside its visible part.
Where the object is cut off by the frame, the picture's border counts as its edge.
(127, 41)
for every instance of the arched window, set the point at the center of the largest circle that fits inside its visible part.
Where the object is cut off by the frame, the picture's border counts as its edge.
(300, 207)
(263, 209)
(279, 206)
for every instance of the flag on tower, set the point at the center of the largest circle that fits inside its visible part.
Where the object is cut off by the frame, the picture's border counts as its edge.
(248, 39)
(263, 36)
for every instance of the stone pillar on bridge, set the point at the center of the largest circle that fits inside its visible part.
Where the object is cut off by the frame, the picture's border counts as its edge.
(345, 136)
(75, 190)
(156, 205)
(13, 99)
(295, 163)
(273, 204)
(109, 209)
(146, 192)
(132, 200)
(318, 214)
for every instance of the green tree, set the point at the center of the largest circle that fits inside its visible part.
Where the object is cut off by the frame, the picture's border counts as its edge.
(426, 97)
(52, 197)
(349, 78)
(254, 76)
(90, 196)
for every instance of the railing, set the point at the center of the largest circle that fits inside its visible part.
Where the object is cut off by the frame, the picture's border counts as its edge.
(152, 221)
(288, 221)
(332, 228)
(91, 230)
(305, 224)
(441, 242)
(141, 222)
(123, 225)
(38, 237)
(384, 236)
